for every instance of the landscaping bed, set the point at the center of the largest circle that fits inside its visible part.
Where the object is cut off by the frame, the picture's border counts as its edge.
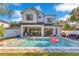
(40, 54)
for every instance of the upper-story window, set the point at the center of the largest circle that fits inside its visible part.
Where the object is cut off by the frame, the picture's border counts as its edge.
(39, 16)
(49, 19)
(29, 16)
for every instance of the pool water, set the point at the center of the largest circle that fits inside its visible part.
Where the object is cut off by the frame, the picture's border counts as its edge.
(46, 42)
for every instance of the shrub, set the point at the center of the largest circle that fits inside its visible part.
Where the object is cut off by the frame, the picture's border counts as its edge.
(2, 30)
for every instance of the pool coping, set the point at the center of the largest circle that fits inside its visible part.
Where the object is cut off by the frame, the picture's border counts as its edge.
(75, 41)
(39, 49)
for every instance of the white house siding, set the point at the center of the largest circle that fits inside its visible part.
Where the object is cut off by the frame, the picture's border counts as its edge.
(11, 33)
(46, 17)
(40, 19)
(29, 11)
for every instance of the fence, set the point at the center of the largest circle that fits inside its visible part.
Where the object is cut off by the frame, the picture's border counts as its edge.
(11, 32)
(72, 32)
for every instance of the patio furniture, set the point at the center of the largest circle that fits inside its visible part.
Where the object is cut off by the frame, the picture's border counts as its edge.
(63, 35)
(77, 37)
(73, 36)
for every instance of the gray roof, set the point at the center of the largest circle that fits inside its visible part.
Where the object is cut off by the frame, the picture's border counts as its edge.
(4, 21)
(37, 12)
(34, 9)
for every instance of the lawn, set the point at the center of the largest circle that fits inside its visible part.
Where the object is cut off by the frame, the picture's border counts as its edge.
(40, 54)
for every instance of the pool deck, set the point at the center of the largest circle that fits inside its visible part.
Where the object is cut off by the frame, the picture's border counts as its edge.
(13, 42)
(37, 49)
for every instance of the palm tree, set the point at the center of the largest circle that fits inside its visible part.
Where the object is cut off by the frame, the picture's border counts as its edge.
(5, 10)
(2, 10)
(10, 12)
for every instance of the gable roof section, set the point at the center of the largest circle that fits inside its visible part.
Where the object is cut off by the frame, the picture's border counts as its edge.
(34, 9)
(37, 12)
(4, 21)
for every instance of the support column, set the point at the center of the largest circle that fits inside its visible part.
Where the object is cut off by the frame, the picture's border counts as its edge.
(22, 31)
(54, 31)
(28, 30)
(42, 31)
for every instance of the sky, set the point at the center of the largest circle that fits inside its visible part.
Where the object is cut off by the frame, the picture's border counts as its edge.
(60, 10)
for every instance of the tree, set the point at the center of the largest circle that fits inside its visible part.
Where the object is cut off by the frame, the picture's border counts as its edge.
(2, 30)
(68, 27)
(74, 15)
(4, 10)
(62, 22)
(15, 24)
(10, 12)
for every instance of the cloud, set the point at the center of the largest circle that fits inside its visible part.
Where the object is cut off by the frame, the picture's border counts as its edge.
(64, 18)
(39, 8)
(18, 19)
(66, 7)
(17, 16)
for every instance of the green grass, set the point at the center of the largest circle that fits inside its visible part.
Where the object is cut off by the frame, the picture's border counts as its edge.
(40, 54)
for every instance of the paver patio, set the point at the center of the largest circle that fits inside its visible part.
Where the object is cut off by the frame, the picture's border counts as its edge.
(12, 42)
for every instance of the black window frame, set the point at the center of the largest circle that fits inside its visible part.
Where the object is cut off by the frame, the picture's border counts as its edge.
(39, 16)
(29, 17)
(49, 19)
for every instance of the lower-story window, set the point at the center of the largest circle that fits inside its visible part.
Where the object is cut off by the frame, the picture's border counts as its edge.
(33, 31)
(48, 32)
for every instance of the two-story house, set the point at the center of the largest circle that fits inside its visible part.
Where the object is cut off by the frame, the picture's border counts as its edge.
(35, 23)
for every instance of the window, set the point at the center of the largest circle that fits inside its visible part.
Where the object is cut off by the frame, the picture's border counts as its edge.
(39, 16)
(49, 19)
(29, 16)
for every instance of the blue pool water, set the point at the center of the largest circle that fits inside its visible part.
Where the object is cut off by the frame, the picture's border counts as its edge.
(45, 42)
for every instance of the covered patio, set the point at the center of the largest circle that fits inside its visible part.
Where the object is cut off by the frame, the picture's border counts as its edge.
(39, 30)
(32, 30)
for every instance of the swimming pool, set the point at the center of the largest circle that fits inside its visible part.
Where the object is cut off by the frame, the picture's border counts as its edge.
(45, 42)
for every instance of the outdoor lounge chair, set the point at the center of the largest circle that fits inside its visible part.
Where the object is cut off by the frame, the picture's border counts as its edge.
(77, 37)
(73, 36)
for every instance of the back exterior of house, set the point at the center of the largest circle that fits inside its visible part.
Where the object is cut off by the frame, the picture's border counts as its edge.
(35, 23)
